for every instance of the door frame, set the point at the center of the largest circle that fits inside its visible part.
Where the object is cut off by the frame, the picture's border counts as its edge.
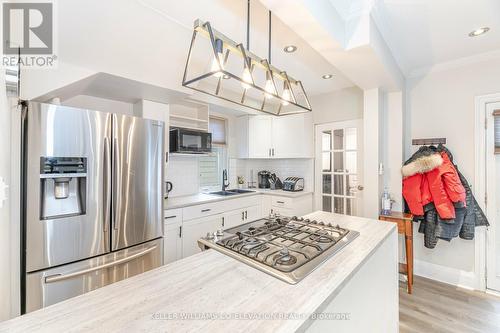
(481, 234)
(358, 123)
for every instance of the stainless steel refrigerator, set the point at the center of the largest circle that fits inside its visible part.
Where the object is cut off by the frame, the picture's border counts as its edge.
(92, 201)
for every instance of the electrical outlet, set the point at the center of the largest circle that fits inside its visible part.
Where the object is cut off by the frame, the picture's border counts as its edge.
(3, 192)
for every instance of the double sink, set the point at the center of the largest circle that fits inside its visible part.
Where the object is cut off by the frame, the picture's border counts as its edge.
(231, 192)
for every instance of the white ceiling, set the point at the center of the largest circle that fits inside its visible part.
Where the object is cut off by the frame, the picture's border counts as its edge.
(422, 33)
(153, 36)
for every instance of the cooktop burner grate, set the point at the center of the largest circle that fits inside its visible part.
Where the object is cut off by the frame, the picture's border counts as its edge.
(284, 247)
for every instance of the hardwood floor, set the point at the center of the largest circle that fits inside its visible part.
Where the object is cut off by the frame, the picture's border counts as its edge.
(439, 307)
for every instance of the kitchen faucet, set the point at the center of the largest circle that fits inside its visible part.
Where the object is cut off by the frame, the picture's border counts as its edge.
(225, 183)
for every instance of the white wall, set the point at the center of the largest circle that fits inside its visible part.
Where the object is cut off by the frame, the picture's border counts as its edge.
(372, 134)
(393, 148)
(345, 104)
(441, 104)
(5, 151)
(100, 104)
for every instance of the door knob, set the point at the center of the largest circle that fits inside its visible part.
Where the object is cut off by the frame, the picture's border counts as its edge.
(360, 187)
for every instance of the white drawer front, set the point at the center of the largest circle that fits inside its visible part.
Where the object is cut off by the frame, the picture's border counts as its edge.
(194, 212)
(284, 211)
(282, 202)
(172, 216)
(245, 201)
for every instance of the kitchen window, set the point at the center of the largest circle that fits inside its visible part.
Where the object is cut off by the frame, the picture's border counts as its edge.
(210, 167)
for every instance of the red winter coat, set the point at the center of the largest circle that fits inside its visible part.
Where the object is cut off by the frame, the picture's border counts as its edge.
(432, 178)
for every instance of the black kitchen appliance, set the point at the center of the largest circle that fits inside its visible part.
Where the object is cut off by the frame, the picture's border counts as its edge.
(190, 141)
(275, 182)
(293, 184)
(264, 179)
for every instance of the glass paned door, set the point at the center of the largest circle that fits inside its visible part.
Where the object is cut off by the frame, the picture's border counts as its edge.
(338, 167)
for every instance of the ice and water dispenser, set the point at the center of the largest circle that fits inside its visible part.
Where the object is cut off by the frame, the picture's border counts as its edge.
(63, 185)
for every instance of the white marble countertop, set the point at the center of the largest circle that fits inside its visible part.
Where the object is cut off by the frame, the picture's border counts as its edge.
(201, 198)
(211, 284)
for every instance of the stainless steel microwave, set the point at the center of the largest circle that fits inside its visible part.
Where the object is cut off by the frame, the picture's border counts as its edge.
(190, 141)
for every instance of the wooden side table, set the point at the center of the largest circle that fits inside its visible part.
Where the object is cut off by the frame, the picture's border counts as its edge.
(405, 227)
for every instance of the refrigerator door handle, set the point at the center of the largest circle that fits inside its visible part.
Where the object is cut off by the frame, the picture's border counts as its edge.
(115, 183)
(107, 184)
(61, 277)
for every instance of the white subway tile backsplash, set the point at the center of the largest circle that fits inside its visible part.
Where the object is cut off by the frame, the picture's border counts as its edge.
(182, 171)
(281, 167)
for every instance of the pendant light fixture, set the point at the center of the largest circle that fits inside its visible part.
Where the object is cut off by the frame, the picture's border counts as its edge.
(237, 75)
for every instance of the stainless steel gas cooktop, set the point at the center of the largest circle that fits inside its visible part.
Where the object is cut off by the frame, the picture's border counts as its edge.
(286, 248)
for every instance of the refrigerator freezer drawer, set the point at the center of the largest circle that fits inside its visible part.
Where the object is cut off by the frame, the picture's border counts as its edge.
(51, 286)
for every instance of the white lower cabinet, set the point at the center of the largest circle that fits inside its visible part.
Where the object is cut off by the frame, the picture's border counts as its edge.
(172, 242)
(184, 226)
(237, 217)
(193, 230)
(233, 218)
(286, 206)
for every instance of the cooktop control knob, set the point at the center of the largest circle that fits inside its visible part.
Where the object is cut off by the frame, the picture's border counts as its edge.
(321, 223)
(220, 232)
(210, 235)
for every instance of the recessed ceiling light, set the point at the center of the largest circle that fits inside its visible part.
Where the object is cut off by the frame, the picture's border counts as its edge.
(290, 48)
(327, 76)
(226, 77)
(479, 32)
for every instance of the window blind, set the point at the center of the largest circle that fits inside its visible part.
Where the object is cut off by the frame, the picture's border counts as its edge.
(210, 169)
(217, 127)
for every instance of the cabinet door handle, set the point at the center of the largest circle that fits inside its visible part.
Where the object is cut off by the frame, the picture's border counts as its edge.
(223, 222)
(273, 151)
(280, 202)
(269, 151)
(242, 216)
(180, 231)
(170, 217)
(205, 210)
(246, 214)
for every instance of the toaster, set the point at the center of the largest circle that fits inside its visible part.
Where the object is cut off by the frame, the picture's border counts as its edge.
(293, 184)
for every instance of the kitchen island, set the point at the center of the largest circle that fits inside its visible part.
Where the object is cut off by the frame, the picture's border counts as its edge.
(354, 291)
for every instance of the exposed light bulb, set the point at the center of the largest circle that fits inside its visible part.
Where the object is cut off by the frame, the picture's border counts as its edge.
(247, 77)
(286, 95)
(269, 87)
(217, 66)
(218, 63)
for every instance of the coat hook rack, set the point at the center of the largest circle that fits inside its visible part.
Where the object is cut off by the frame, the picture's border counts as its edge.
(428, 142)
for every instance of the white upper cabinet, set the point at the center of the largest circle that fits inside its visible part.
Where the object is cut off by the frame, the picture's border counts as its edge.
(293, 136)
(275, 137)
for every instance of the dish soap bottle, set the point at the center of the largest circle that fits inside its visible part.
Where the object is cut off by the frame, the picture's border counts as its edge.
(386, 202)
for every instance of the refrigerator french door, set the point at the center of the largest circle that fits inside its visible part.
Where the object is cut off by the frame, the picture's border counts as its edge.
(92, 200)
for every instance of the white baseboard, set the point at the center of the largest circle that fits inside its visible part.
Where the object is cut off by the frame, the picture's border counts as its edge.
(453, 276)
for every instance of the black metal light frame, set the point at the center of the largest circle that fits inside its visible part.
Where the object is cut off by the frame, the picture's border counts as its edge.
(250, 60)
